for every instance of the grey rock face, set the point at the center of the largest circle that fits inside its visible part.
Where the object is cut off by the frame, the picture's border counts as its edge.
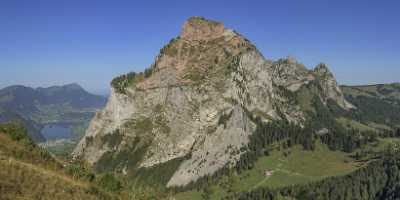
(330, 87)
(290, 74)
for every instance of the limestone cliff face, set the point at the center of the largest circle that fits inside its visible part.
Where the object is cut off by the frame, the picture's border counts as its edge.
(330, 87)
(195, 105)
(293, 76)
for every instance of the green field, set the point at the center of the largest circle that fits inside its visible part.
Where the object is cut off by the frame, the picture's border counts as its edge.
(382, 144)
(63, 149)
(298, 167)
(349, 123)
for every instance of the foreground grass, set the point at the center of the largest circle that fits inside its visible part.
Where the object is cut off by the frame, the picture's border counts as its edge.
(23, 180)
(30, 172)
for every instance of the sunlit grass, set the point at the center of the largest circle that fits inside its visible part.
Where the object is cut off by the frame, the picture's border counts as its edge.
(298, 167)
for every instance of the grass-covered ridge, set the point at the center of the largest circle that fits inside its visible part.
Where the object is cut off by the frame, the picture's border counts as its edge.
(30, 172)
(16, 143)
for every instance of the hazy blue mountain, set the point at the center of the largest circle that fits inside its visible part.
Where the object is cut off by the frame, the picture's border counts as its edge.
(73, 94)
(31, 126)
(36, 107)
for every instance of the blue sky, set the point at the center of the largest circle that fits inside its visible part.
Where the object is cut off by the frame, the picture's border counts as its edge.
(54, 42)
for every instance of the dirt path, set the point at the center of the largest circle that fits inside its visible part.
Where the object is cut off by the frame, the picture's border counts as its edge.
(260, 183)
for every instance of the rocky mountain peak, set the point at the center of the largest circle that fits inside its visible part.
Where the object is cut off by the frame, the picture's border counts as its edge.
(203, 46)
(199, 28)
(323, 70)
(330, 87)
(290, 73)
(196, 103)
(291, 60)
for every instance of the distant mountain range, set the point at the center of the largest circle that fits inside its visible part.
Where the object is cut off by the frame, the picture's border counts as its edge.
(36, 107)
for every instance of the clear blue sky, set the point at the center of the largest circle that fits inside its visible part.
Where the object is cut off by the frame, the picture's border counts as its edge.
(52, 42)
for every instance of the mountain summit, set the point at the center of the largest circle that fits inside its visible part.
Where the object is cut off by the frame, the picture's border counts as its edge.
(195, 107)
(201, 29)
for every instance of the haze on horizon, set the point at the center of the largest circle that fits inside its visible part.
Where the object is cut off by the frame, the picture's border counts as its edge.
(46, 42)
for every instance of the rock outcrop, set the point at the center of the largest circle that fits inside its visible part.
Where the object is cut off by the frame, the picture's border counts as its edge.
(195, 104)
(330, 87)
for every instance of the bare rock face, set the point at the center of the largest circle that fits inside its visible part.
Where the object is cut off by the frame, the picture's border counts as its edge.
(330, 86)
(290, 74)
(196, 105)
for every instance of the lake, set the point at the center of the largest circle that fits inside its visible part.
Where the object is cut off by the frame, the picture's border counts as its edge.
(56, 131)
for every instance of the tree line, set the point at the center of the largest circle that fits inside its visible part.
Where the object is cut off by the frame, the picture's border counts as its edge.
(121, 82)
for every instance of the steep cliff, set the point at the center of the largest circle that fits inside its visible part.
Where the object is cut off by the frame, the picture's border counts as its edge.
(194, 105)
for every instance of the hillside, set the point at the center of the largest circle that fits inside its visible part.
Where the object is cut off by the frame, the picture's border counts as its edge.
(29, 172)
(378, 105)
(34, 128)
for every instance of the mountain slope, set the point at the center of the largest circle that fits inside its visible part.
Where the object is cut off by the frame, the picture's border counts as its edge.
(378, 105)
(28, 172)
(31, 126)
(194, 110)
(378, 180)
